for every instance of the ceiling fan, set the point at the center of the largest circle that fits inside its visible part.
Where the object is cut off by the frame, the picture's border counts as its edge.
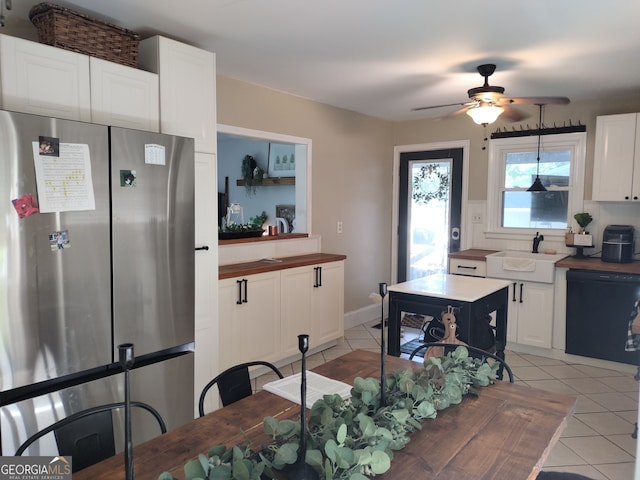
(487, 102)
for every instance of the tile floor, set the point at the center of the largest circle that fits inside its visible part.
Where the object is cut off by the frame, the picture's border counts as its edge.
(597, 443)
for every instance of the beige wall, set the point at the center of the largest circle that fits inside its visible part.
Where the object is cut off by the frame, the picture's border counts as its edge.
(351, 172)
(353, 158)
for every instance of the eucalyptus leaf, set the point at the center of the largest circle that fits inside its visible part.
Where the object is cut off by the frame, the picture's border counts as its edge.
(342, 434)
(193, 470)
(357, 476)
(166, 476)
(220, 472)
(380, 462)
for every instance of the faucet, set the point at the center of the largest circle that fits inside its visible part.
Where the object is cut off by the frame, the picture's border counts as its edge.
(536, 242)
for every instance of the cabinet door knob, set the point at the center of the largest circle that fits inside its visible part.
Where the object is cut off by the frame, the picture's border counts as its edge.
(521, 288)
(204, 247)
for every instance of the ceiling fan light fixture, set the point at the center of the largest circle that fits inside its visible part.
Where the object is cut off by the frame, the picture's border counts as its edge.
(485, 114)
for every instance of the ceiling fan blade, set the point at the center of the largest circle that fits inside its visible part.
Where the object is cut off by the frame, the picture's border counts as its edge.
(460, 110)
(513, 114)
(437, 106)
(535, 100)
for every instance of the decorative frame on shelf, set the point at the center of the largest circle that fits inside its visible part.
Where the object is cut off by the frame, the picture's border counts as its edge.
(281, 160)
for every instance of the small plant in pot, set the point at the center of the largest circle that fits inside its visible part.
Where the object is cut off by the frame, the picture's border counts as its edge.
(251, 174)
(583, 219)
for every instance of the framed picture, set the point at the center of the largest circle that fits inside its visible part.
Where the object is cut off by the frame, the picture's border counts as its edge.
(282, 160)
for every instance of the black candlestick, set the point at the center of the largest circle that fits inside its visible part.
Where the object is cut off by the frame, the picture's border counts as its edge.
(301, 470)
(126, 361)
(383, 381)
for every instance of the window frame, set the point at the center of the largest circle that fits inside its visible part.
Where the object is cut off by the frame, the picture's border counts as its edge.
(498, 150)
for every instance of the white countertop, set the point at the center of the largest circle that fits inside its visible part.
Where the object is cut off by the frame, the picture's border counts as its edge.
(452, 287)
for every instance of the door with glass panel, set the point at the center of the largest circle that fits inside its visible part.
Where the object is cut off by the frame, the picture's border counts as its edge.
(429, 211)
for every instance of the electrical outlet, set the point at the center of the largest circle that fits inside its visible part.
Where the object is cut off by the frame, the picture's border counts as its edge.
(476, 218)
(339, 227)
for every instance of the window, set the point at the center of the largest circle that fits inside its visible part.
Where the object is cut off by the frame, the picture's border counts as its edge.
(512, 170)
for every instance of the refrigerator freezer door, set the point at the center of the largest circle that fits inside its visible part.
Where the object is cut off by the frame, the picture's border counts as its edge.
(55, 305)
(167, 386)
(153, 239)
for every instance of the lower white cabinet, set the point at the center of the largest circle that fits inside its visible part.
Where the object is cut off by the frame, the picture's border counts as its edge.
(530, 314)
(261, 315)
(313, 304)
(249, 318)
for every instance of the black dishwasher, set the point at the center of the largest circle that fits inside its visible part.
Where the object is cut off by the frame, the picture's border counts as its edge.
(599, 307)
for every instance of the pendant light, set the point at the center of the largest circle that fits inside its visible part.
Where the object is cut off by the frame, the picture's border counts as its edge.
(537, 184)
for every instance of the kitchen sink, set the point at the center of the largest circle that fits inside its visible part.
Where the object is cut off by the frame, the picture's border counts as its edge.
(517, 265)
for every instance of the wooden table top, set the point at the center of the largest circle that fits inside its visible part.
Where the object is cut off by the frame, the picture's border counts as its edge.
(505, 432)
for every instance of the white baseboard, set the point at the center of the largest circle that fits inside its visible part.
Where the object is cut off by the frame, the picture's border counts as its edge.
(364, 315)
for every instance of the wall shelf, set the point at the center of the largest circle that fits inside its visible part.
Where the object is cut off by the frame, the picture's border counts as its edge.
(270, 181)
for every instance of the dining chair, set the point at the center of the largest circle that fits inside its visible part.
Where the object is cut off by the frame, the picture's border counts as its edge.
(473, 351)
(87, 436)
(234, 383)
(561, 476)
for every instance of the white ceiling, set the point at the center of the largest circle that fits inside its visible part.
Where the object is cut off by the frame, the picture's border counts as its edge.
(384, 57)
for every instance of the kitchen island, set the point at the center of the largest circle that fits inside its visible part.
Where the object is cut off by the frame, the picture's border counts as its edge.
(472, 297)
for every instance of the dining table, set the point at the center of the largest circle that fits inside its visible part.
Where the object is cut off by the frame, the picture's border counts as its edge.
(506, 431)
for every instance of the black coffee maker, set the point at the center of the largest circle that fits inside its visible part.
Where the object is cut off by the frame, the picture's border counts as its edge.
(617, 244)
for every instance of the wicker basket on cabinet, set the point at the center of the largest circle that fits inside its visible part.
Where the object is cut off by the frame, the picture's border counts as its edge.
(63, 28)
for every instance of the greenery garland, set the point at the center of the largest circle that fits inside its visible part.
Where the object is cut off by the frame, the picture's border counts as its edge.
(352, 439)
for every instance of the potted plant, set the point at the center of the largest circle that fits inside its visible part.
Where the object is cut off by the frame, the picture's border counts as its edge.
(251, 174)
(583, 219)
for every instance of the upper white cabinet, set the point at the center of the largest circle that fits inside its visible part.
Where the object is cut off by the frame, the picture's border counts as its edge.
(187, 89)
(616, 172)
(49, 81)
(124, 96)
(44, 80)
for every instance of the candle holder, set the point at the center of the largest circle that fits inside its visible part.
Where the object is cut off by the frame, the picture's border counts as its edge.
(126, 361)
(301, 470)
(382, 289)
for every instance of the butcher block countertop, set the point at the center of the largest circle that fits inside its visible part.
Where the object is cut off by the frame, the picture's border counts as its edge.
(598, 265)
(281, 263)
(472, 254)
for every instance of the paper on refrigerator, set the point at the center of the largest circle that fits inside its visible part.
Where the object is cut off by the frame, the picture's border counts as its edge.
(64, 178)
(317, 387)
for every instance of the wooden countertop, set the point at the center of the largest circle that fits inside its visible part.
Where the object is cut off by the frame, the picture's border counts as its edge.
(262, 266)
(264, 238)
(472, 254)
(598, 265)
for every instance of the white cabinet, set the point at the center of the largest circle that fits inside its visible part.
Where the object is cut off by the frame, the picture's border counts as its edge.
(124, 96)
(187, 89)
(312, 299)
(530, 314)
(616, 171)
(327, 303)
(472, 268)
(49, 81)
(249, 310)
(44, 80)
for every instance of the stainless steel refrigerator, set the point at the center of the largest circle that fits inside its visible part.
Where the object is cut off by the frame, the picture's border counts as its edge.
(96, 250)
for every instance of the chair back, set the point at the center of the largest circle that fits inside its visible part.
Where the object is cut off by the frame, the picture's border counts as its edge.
(87, 436)
(234, 383)
(443, 348)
